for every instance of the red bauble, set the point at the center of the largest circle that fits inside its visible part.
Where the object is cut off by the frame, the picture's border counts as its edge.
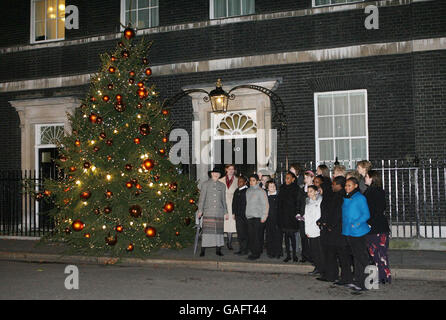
(77, 143)
(112, 69)
(168, 207)
(177, 233)
(129, 185)
(148, 164)
(148, 71)
(113, 58)
(125, 53)
(165, 112)
(102, 135)
(87, 165)
(119, 228)
(107, 210)
(109, 142)
(130, 247)
(106, 98)
(108, 194)
(132, 73)
(110, 86)
(137, 140)
(135, 211)
(77, 225)
(139, 106)
(145, 129)
(72, 169)
(150, 231)
(128, 167)
(85, 195)
(111, 241)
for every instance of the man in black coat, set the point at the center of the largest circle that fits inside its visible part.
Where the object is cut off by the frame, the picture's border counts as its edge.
(334, 244)
(239, 209)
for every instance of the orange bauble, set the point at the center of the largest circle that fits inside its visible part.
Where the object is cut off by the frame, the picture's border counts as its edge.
(150, 231)
(85, 195)
(137, 140)
(168, 207)
(129, 33)
(119, 228)
(148, 71)
(130, 247)
(111, 69)
(77, 225)
(148, 164)
(106, 98)
(165, 112)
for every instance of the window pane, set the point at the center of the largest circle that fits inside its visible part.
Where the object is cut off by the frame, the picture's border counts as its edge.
(342, 149)
(154, 3)
(359, 151)
(324, 105)
(39, 10)
(60, 28)
(130, 16)
(326, 150)
(143, 4)
(358, 125)
(341, 126)
(322, 2)
(248, 6)
(357, 103)
(40, 31)
(130, 4)
(219, 8)
(143, 18)
(340, 104)
(154, 17)
(51, 32)
(51, 9)
(61, 9)
(325, 126)
(234, 7)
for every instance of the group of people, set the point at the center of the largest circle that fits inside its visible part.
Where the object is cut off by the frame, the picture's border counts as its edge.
(334, 222)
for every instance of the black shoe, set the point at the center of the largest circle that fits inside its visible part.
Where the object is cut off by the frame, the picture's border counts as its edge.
(202, 252)
(244, 253)
(218, 252)
(270, 256)
(238, 253)
(357, 291)
(286, 259)
(295, 259)
(315, 272)
(340, 283)
(251, 257)
(303, 260)
(323, 279)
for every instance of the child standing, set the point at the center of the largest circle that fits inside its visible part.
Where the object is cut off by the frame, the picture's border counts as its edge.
(239, 210)
(313, 214)
(273, 232)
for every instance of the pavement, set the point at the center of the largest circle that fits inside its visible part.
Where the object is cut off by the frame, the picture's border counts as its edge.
(404, 264)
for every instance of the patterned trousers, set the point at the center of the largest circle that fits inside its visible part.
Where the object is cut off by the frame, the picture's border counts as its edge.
(377, 245)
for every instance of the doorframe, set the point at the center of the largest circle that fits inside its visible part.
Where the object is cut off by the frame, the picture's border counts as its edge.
(246, 99)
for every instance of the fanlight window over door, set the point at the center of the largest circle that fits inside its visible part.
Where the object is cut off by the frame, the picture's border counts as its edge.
(50, 134)
(236, 125)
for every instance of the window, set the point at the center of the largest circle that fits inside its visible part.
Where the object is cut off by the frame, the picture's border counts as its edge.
(140, 13)
(47, 20)
(341, 126)
(318, 3)
(230, 8)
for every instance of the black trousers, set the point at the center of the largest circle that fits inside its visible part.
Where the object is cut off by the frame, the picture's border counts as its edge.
(336, 256)
(290, 236)
(358, 248)
(255, 236)
(317, 254)
(305, 244)
(241, 225)
(273, 239)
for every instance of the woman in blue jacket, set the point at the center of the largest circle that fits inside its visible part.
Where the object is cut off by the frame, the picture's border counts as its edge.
(355, 213)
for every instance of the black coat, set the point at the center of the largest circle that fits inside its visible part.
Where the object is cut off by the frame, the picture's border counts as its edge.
(290, 204)
(331, 219)
(376, 199)
(239, 204)
(273, 201)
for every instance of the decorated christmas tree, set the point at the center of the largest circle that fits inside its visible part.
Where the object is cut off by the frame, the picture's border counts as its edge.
(119, 194)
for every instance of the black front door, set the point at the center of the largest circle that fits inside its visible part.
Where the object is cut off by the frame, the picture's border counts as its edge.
(241, 152)
(47, 170)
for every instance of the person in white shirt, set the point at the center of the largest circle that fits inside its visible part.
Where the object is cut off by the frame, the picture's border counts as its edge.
(312, 231)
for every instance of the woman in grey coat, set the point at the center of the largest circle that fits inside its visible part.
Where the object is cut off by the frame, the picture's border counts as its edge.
(212, 207)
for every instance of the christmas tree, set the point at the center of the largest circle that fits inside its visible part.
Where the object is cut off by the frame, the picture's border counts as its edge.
(119, 193)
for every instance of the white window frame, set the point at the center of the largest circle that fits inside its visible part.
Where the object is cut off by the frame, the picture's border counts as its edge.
(123, 22)
(211, 10)
(33, 25)
(316, 122)
(334, 4)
